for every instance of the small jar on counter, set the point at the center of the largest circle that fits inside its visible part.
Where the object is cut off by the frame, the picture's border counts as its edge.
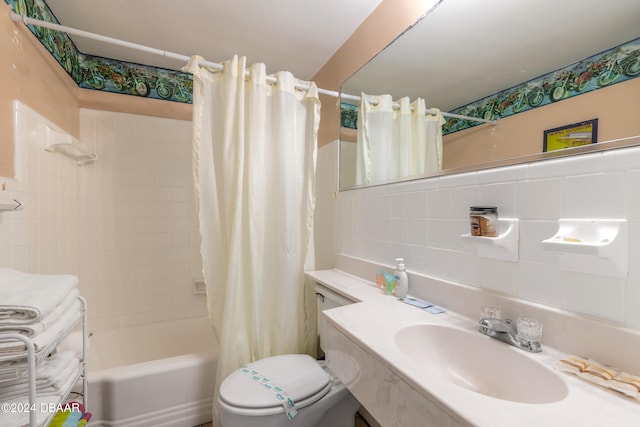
(484, 221)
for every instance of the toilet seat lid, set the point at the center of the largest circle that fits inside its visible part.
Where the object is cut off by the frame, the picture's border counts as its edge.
(299, 375)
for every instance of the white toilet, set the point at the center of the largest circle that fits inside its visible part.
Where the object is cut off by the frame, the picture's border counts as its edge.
(249, 398)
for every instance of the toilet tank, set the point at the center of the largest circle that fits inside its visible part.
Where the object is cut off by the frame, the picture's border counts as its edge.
(327, 299)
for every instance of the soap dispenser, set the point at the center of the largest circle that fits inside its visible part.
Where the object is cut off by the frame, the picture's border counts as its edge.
(402, 280)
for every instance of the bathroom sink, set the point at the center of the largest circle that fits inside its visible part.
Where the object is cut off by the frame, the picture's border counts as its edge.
(480, 364)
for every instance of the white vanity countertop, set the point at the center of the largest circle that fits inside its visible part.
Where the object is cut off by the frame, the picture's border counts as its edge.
(373, 323)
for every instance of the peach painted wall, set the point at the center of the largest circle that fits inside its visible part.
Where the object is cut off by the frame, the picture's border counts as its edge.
(616, 108)
(29, 73)
(105, 101)
(380, 28)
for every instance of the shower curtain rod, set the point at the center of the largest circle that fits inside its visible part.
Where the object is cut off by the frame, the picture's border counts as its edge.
(62, 28)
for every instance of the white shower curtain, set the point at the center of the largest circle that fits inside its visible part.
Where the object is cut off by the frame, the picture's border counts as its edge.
(254, 147)
(396, 142)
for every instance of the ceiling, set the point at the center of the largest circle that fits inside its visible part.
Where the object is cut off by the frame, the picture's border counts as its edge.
(293, 35)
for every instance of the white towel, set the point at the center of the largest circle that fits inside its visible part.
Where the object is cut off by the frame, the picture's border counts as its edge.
(32, 329)
(10, 349)
(74, 342)
(53, 375)
(47, 370)
(27, 298)
(21, 419)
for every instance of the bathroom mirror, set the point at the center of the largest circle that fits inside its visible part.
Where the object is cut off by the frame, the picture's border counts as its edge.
(482, 56)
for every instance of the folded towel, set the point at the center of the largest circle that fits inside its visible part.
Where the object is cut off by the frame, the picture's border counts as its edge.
(53, 373)
(31, 329)
(60, 387)
(74, 342)
(46, 370)
(73, 419)
(59, 419)
(21, 419)
(70, 418)
(27, 298)
(10, 349)
(12, 369)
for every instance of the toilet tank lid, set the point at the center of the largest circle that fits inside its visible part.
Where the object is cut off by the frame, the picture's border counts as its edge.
(299, 375)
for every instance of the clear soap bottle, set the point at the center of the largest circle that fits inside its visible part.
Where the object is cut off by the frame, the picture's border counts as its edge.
(402, 280)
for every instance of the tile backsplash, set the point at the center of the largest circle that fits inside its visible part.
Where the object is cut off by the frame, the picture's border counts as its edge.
(125, 224)
(423, 220)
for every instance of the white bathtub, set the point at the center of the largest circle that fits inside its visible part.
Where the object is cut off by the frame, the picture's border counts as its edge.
(158, 375)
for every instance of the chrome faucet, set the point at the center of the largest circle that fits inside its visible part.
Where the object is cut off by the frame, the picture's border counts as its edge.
(504, 331)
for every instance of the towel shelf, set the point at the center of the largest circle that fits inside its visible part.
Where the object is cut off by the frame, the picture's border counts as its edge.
(33, 357)
(65, 144)
(9, 204)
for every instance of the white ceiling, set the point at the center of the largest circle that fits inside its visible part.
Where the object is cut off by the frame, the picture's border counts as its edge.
(294, 35)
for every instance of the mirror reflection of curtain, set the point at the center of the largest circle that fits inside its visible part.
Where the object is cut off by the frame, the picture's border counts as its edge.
(396, 143)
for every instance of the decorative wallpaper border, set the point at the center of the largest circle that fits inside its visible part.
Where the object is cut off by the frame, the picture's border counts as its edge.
(134, 79)
(612, 66)
(94, 72)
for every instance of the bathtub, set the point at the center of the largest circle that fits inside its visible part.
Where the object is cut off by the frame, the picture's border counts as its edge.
(158, 375)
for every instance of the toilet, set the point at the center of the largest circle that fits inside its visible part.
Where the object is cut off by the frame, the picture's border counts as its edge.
(257, 395)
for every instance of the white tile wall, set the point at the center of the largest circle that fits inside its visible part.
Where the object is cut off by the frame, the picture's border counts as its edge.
(598, 185)
(126, 224)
